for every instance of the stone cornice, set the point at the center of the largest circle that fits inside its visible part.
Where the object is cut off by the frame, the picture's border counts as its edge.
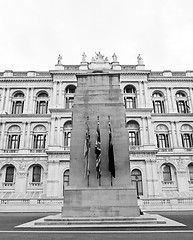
(25, 79)
(170, 79)
(22, 116)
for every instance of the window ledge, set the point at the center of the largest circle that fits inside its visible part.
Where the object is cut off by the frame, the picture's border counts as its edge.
(11, 150)
(165, 149)
(8, 184)
(40, 150)
(35, 184)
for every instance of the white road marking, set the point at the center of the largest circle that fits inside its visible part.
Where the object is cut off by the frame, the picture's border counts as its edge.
(101, 232)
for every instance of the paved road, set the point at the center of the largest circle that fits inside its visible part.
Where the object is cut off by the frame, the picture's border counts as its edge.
(9, 220)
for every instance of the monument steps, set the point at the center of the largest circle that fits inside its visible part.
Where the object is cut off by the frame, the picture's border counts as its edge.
(143, 221)
(122, 221)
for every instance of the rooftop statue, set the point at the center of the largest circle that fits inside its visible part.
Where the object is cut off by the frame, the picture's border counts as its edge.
(99, 58)
(59, 59)
(140, 60)
(114, 57)
(84, 57)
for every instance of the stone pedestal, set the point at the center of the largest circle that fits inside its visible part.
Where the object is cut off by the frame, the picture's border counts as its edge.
(99, 95)
(100, 202)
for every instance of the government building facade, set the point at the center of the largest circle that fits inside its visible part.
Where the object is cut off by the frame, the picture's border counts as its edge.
(36, 123)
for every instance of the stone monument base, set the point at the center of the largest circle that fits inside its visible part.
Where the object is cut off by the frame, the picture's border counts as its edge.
(100, 202)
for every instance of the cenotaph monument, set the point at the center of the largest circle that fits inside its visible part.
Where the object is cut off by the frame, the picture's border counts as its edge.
(100, 179)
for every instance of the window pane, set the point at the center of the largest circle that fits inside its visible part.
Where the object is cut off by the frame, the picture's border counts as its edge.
(66, 178)
(158, 107)
(191, 172)
(167, 176)
(9, 174)
(36, 176)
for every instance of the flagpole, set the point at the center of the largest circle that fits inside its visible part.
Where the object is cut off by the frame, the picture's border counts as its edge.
(87, 156)
(98, 173)
(111, 154)
(109, 130)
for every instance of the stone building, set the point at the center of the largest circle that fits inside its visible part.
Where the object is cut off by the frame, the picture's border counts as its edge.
(36, 123)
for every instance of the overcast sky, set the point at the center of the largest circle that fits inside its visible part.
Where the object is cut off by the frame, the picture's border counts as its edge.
(34, 32)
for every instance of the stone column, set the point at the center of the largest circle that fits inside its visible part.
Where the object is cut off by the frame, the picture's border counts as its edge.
(179, 140)
(174, 108)
(52, 131)
(147, 95)
(2, 100)
(169, 100)
(141, 97)
(150, 131)
(26, 101)
(58, 132)
(2, 135)
(138, 100)
(141, 136)
(7, 100)
(31, 101)
(54, 94)
(60, 95)
(63, 102)
(171, 139)
(144, 131)
(28, 136)
(191, 98)
(23, 136)
(31, 139)
(5, 140)
(55, 131)
(48, 136)
(173, 132)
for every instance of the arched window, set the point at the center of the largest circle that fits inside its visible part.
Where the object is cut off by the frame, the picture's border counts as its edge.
(158, 102)
(130, 96)
(67, 133)
(42, 103)
(36, 173)
(187, 136)
(182, 102)
(190, 170)
(167, 175)
(35, 176)
(66, 178)
(169, 178)
(136, 180)
(134, 133)
(17, 103)
(9, 174)
(162, 137)
(39, 137)
(70, 90)
(14, 133)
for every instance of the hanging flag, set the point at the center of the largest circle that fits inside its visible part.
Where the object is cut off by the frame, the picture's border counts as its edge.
(87, 151)
(98, 152)
(111, 154)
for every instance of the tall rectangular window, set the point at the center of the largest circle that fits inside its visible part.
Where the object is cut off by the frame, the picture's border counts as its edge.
(9, 174)
(39, 141)
(42, 107)
(130, 102)
(163, 140)
(187, 140)
(36, 175)
(17, 107)
(13, 141)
